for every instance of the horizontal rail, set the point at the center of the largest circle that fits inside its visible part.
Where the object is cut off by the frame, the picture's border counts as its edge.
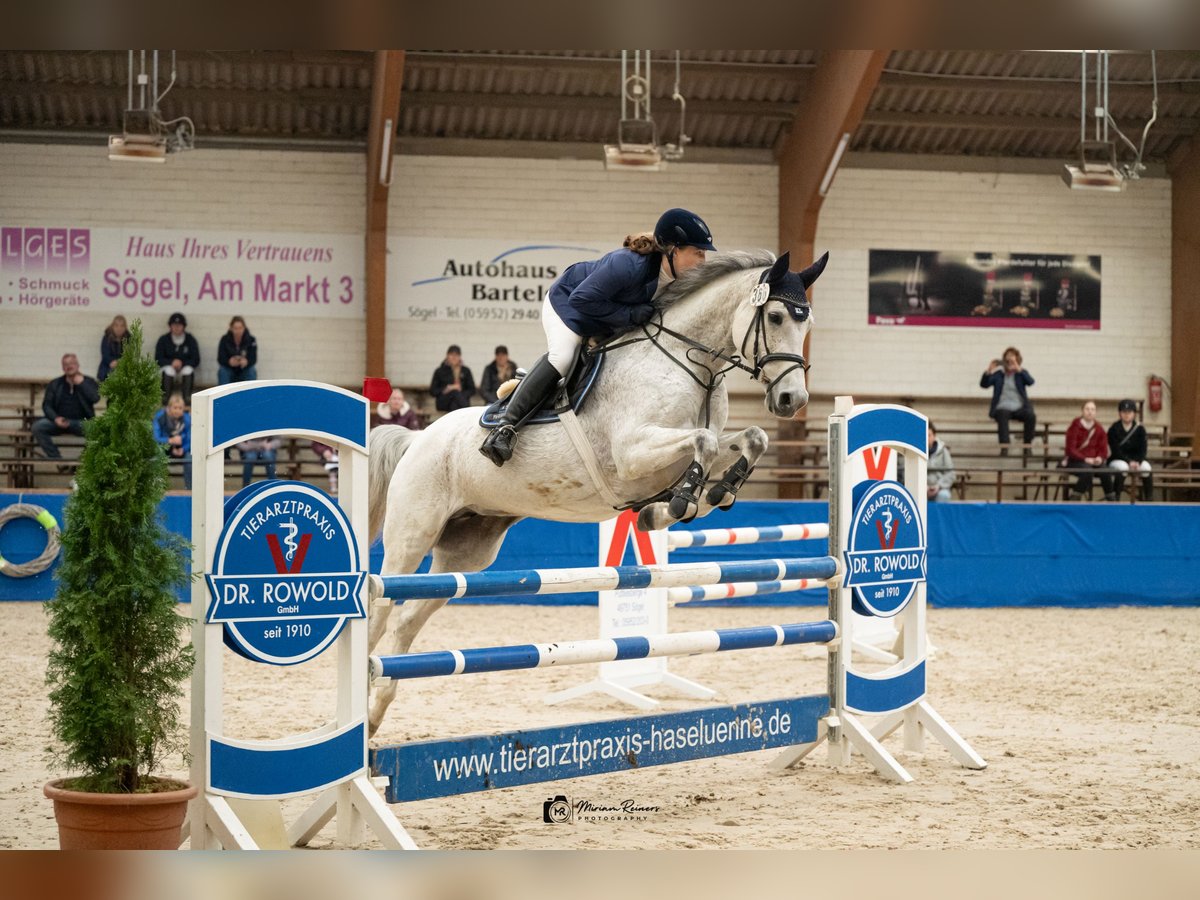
(599, 578)
(721, 537)
(741, 589)
(574, 653)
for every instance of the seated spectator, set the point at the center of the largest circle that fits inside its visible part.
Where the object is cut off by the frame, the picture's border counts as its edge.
(940, 469)
(236, 354)
(1127, 449)
(173, 431)
(330, 457)
(396, 411)
(452, 386)
(495, 373)
(112, 345)
(261, 450)
(68, 402)
(1008, 381)
(1087, 450)
(178, 355)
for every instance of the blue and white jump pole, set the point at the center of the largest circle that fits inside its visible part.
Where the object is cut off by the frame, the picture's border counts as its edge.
(454, 585)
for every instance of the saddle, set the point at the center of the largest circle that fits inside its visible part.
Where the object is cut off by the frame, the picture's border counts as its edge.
(572, 394)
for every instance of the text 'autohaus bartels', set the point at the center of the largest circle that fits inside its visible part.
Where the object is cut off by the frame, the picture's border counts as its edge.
(503, 270)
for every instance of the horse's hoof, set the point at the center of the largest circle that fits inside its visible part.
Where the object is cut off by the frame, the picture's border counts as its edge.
(649, 519)
(682, 509)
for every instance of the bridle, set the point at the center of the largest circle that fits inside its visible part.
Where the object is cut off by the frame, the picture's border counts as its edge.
(797, 308)
(799, 311)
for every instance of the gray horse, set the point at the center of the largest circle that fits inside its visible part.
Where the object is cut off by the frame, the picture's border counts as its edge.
(655, 420)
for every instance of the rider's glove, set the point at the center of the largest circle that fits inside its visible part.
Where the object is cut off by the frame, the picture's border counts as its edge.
(641, 314)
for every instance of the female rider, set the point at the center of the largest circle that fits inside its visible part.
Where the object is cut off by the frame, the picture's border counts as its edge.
(595, 299)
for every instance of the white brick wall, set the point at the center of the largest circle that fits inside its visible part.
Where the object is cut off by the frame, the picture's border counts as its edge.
(988, 212)
(214, 189)
(573, 200)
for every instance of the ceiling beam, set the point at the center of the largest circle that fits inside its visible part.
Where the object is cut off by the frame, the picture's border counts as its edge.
(837, 99)
(1184, 168)
(1016, 85)
(381, 151)
(663, 66)
(984, 122)
(606, 103)
(180, 98)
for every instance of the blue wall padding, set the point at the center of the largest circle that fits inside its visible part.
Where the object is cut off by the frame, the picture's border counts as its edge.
(1064, 554)
(980, 554)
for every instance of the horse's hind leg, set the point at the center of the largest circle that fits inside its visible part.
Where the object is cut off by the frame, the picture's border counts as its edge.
(466, 545)
(406, 540)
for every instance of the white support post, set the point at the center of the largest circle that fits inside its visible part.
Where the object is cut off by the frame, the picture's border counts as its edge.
(338, 775)
(904, 681)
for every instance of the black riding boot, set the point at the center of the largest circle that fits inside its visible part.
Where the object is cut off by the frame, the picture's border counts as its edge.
(529, 395)
(1147, 486)
(189, 383)
(168, 387)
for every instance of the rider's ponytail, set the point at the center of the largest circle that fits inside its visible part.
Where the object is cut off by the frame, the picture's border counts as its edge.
(643, 244)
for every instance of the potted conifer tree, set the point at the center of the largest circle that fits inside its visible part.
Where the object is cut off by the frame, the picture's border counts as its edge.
(118, 663)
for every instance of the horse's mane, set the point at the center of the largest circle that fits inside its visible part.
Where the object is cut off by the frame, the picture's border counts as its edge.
(694, 279)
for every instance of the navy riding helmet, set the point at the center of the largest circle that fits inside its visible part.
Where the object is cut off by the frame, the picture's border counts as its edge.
(683, 229)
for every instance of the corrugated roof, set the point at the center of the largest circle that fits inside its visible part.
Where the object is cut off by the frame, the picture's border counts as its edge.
(973, 102)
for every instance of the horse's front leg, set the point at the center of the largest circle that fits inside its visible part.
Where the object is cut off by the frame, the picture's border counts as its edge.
(653, 448)
(739, 454)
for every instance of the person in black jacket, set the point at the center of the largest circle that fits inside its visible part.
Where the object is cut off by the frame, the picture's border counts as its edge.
(598, 298)
(1127, 449)
(495, 373)
(68, 402)
(237, 353)
(452, 386)
(178, 355)
(112, 345)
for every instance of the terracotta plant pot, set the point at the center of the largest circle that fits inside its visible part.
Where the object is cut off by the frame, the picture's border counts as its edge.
(118, 821)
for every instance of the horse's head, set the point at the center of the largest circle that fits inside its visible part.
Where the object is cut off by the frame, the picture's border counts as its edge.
(772, 325)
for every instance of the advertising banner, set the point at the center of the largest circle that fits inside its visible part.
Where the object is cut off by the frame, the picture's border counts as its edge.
(132, 271)
(475, 280)
(997, 290)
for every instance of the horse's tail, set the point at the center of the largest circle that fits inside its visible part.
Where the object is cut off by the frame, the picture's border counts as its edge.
(385, 446)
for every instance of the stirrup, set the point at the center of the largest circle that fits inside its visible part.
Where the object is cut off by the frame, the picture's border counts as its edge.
(498, 445)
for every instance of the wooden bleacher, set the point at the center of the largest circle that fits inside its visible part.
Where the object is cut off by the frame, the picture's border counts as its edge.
(794, 465)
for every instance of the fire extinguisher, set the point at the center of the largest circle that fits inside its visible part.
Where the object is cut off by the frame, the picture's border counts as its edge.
(1155, 393)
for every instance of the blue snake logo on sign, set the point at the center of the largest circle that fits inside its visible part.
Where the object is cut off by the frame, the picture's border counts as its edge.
(286, 573)
(885, 559)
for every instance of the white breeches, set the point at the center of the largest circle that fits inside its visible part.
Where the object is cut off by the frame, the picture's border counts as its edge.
(1121, 465)
(561, 341)
(170, 370)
